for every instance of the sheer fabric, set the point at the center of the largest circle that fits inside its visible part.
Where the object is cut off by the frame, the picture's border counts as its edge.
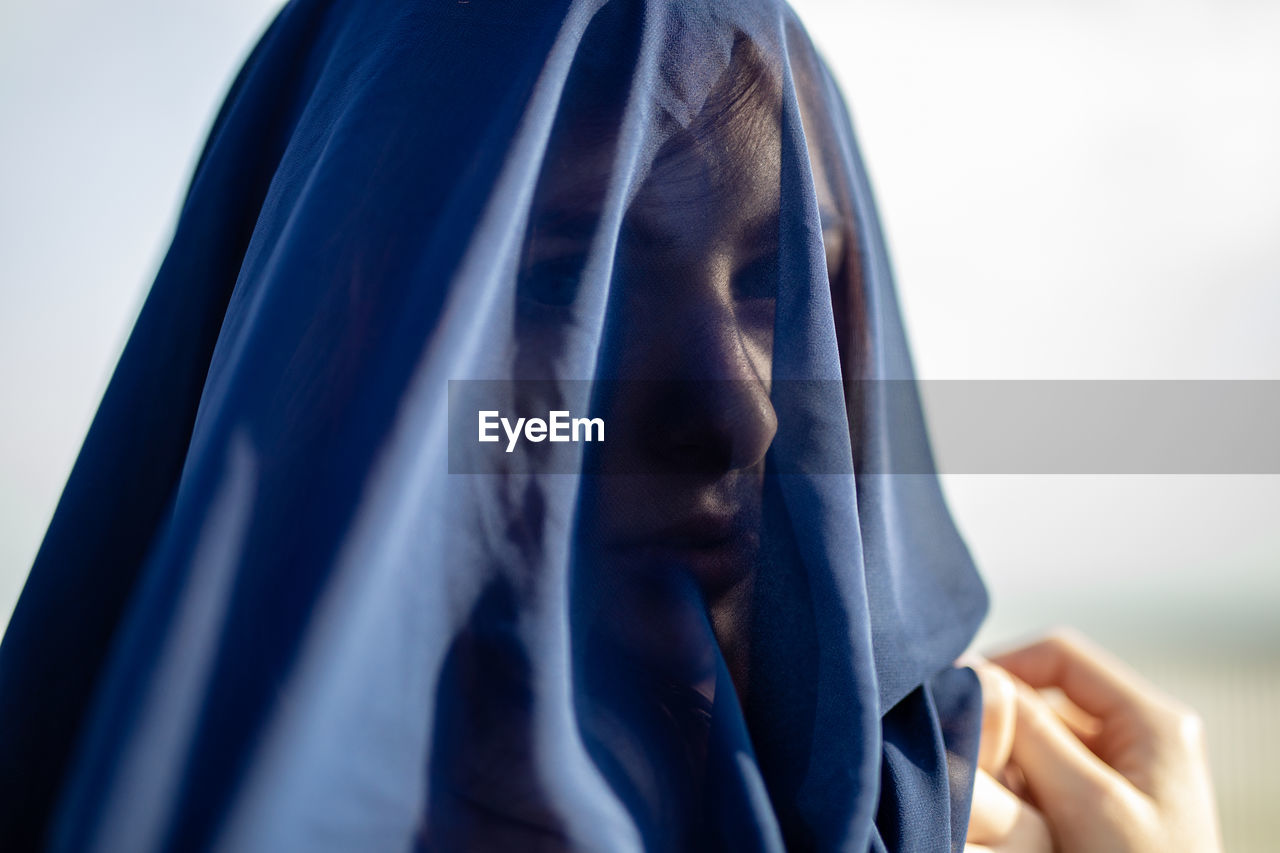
(290, 601)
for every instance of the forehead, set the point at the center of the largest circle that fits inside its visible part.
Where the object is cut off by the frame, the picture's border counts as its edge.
(715, 180)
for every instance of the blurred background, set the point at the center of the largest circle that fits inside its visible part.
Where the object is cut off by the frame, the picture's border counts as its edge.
(1071, 190)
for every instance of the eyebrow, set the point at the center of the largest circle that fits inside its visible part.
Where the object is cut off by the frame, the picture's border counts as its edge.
(761, 231)
(578, 225)
(764, 230)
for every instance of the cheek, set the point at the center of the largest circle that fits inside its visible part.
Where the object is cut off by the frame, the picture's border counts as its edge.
(755, 319)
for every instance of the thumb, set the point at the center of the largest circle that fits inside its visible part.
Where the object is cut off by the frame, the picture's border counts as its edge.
(999, 714)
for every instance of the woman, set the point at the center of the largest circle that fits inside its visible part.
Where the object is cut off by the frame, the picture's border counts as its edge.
(294, 598)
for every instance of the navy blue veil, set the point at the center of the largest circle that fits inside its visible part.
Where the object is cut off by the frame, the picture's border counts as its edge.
(308, 588)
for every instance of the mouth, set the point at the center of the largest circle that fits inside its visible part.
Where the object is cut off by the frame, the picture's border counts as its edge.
(706, 532)
(713, 532)
(716, 550)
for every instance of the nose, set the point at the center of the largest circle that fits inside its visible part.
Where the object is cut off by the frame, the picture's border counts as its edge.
(721, 416)
(720, 425)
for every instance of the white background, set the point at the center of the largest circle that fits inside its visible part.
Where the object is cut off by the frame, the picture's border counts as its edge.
(1071, 189)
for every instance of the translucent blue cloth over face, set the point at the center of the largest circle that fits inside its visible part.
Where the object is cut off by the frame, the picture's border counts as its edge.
(290, 601)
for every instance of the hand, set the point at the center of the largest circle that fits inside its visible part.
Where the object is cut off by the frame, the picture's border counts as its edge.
(1116, 766)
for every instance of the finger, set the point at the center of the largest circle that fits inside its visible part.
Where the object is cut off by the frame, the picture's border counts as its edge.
(1086, 727)
(1058, 768)
(1014, 782)
(1092, 679)
(1000, 821)
(993, 812)
(999, 712)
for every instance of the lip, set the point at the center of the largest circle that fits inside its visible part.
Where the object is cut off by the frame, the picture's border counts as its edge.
(698, 533)
(716, 564)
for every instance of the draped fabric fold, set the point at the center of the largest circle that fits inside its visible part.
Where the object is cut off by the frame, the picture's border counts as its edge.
(292, 599)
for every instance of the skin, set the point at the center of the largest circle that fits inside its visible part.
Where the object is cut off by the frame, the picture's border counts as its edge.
(1115, 765)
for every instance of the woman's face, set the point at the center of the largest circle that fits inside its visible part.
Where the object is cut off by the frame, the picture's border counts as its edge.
(691, 349)
(674, 504)
(691, 335)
